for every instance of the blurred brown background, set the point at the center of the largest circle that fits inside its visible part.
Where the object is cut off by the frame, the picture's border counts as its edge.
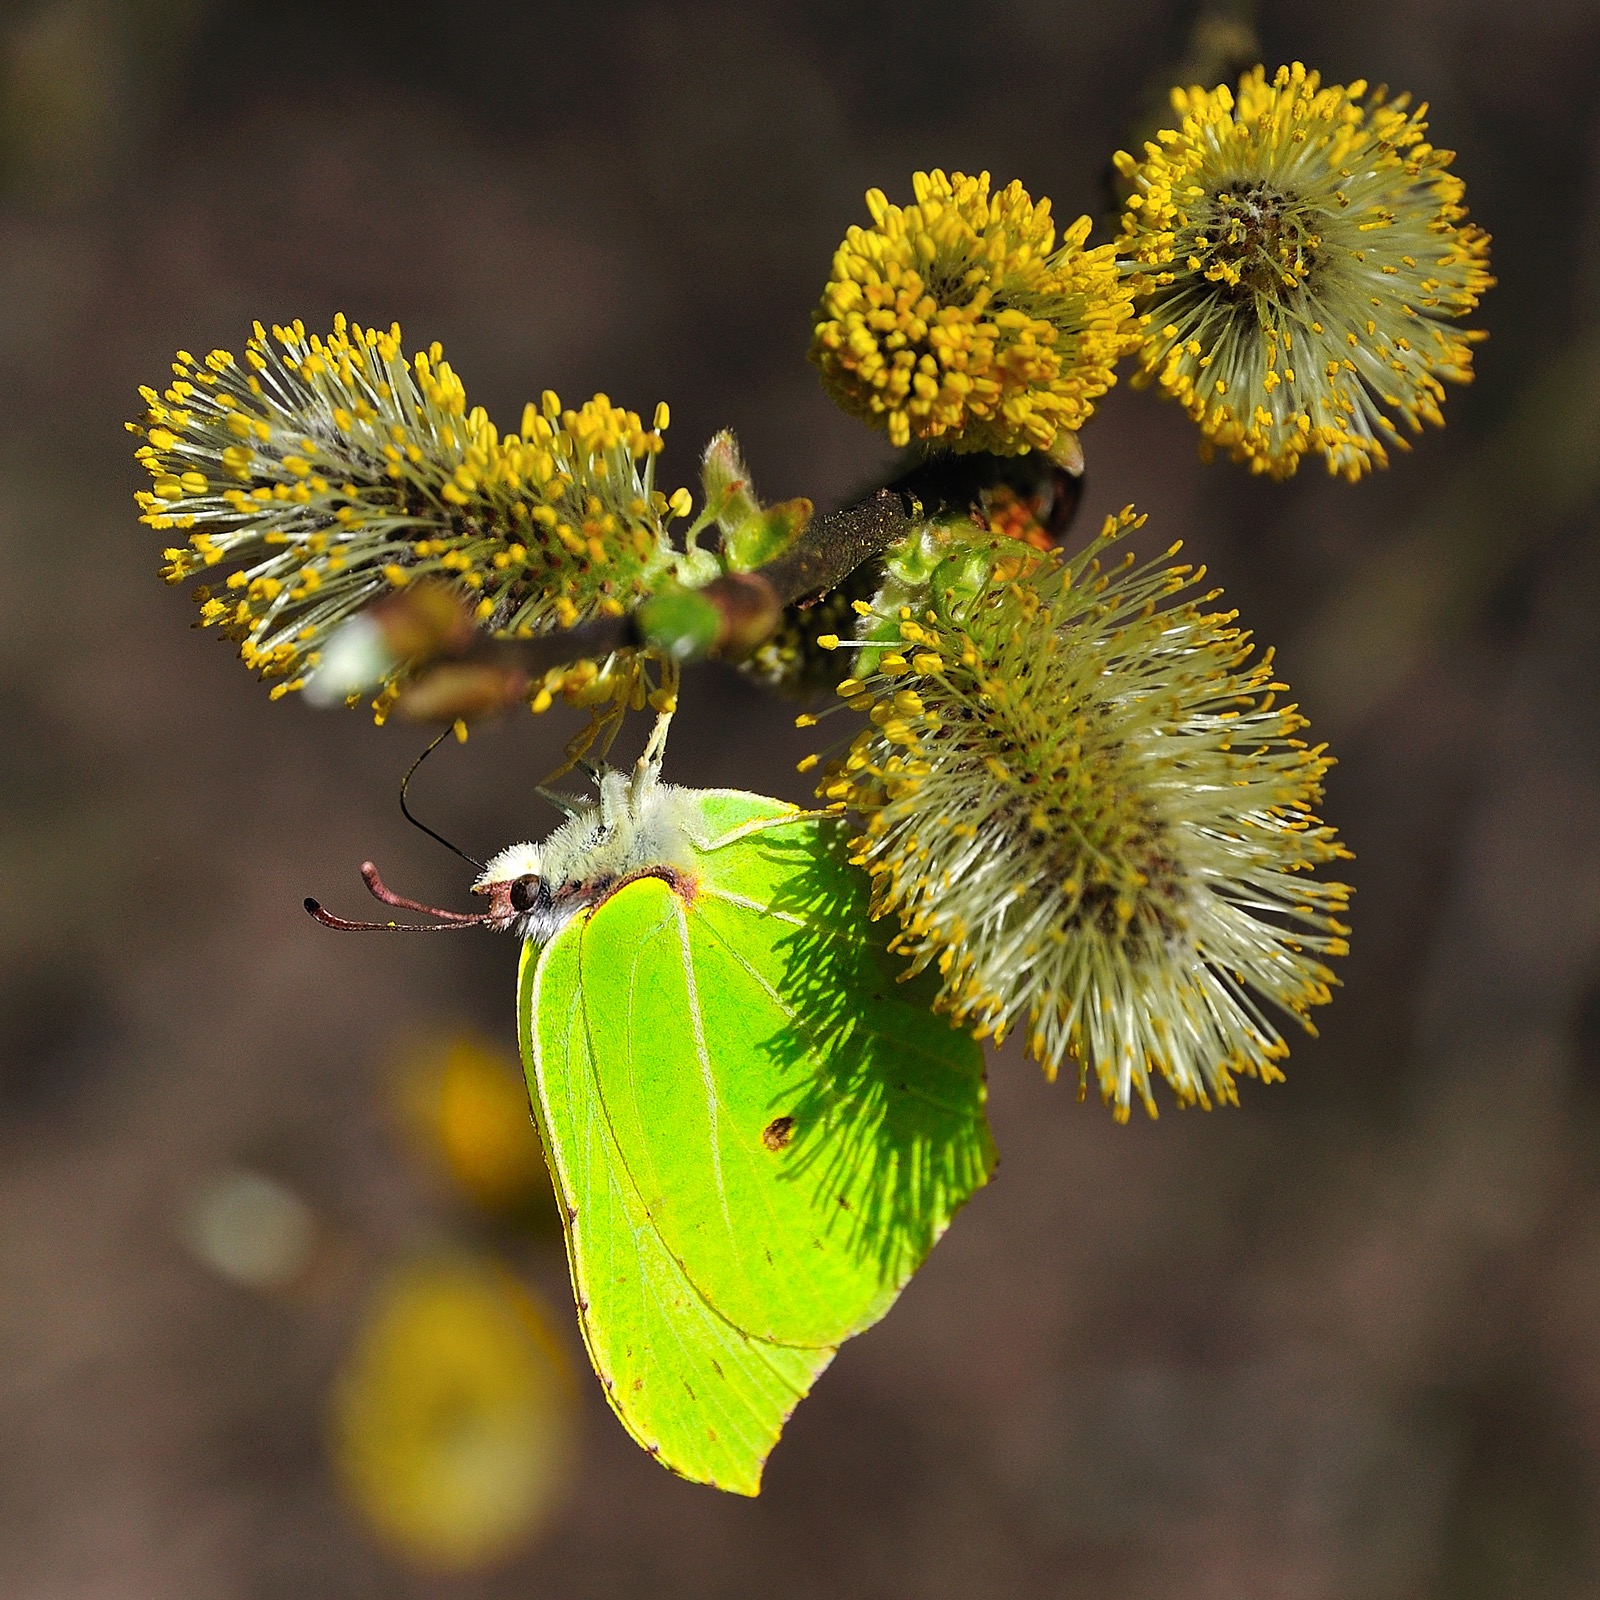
(1343, 1342)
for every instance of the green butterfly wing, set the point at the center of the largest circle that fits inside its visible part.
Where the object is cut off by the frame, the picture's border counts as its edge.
(758, 1135)
(694, 1390)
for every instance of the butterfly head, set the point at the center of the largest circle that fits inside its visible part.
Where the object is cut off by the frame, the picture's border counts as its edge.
(520, 898)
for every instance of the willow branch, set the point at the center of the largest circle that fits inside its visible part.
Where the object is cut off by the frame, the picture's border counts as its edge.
(734, 614)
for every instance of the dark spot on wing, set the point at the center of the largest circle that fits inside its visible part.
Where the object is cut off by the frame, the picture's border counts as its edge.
(778, 1133)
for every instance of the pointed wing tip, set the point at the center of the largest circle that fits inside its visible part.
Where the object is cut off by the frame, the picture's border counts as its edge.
(747, 1484)
(746, 1479)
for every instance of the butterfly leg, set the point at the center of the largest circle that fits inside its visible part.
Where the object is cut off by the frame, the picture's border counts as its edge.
(616, 795)
(665, 700)
(562, 802)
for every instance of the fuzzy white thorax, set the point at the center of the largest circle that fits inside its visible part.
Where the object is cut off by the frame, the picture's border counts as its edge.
(636, 823)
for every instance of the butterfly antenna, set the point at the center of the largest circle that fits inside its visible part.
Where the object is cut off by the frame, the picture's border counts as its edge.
(406, 812)
(343, 925)
(379, 890)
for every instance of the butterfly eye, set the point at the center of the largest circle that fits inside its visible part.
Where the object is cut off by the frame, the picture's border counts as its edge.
(525, 893)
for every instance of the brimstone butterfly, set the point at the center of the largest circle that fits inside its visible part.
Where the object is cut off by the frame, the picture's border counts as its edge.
(756, 1136)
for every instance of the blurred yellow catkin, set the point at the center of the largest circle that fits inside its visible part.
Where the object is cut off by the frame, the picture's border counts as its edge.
(466, 1105)
(452, 1419)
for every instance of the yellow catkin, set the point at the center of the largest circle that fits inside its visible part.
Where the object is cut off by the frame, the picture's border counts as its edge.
(1304, 260)
(958, 320)
(1078, 806)
(323, 470)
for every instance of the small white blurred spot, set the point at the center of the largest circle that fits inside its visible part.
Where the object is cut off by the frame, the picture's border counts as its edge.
(355, 658)
(250, 1229)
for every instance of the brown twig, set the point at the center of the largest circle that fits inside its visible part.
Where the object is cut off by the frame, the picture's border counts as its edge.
(734, 614)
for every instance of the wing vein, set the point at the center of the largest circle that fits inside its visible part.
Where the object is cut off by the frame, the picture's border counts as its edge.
(703, 1056)
(747, 904)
